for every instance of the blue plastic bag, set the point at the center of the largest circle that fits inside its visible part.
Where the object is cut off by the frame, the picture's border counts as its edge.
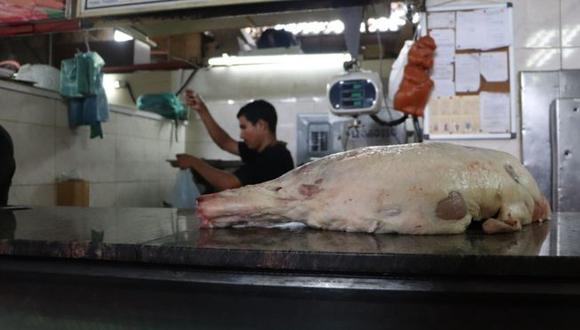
(88, 110)
(184, 191)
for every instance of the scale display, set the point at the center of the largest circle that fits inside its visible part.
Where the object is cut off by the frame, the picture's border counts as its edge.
(354, 94)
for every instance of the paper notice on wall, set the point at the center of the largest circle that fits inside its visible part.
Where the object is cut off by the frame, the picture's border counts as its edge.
(467, 72)
(494, 66)
(483, 29)
(443, 37)
(495, 112)
(444, 54)
(469, 104)
(454, 115)
(443, 87)
(441, 20)
(497, 32)
(442, 71)
(440, 106)
(470, 30)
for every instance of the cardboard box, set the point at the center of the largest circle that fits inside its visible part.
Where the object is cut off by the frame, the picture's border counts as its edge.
(185, 46)
(72, 193)
(114, 53)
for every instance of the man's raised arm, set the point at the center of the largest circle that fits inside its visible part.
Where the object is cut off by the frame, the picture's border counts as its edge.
(217, 134)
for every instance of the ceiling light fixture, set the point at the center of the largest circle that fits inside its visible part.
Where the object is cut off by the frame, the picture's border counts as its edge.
(121, 36)
(298, 59)
(393, 23)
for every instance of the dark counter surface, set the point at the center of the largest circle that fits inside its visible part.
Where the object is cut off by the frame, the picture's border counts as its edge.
(168, 237)
(80, 268)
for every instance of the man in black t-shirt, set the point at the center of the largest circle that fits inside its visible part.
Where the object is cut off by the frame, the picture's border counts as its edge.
(264, 157)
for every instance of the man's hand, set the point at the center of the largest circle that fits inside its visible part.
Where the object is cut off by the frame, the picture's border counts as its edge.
(183, 161)
(218, 135)
(219, 179)
(194, 102)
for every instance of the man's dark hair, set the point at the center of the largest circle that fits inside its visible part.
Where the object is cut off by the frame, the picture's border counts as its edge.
(260, 109)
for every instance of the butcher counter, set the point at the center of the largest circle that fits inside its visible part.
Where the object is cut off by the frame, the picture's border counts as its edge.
(154, 268)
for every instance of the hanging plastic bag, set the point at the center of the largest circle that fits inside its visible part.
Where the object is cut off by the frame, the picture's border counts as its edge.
(81, 75)
(397, 70)
(167, 105)
(184, 191)
(81, 81)
(89, 75)
(88, 110)
(68, 78)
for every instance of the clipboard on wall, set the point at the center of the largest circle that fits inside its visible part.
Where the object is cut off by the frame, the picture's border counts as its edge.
(473, 73)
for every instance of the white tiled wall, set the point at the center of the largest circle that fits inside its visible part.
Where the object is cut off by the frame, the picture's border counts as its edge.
(536, 24)
(141, 82)
(125, 168)
(546, 38)
(547, 34)
(292, 89)
(537, 39)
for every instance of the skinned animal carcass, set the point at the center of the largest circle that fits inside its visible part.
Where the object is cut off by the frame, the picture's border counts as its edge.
(425, 188)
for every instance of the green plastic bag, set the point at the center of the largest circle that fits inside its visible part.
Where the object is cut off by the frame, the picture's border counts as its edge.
(89, 73)
(167, 105)
(68, 78)
(81, 75)
(81, 82)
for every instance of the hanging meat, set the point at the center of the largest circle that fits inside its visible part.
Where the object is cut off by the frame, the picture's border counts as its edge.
(415, 88)
(426, 188)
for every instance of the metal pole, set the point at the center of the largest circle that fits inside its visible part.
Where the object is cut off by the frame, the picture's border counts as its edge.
(50, 49)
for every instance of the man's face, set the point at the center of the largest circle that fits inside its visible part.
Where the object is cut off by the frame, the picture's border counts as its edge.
(251, 134)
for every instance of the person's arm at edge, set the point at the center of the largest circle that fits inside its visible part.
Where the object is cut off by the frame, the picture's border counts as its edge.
(219, 179)
(216, 132)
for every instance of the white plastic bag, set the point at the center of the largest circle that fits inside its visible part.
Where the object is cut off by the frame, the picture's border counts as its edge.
(184, 191)
(397, 71)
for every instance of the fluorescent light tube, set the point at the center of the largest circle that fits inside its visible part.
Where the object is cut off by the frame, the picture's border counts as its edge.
(299, 59)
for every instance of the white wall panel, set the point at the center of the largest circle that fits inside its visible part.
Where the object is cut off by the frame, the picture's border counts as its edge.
(570, 23)
(537, 59)
(537, 23)
(40, 195)
(22, 108)
(103, 194)
(92, 159)
(571, 58)
(46, 149)
(34, 148)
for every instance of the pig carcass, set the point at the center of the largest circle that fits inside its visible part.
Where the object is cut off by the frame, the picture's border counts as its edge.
(424, 188)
